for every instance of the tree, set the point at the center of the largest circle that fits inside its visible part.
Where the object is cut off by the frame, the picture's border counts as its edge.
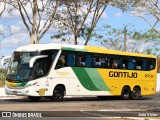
(143, 9)
(129, 39)
(37, 22)
(3, 4)
(80, 17)
(6, 32)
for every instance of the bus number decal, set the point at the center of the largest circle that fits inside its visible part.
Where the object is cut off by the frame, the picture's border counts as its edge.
(123, 74)
(149, 76)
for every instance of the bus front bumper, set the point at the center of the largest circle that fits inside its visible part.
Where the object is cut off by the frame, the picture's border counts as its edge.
(19, 91)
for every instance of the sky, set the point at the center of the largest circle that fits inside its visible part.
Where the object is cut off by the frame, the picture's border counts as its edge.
(111, 16)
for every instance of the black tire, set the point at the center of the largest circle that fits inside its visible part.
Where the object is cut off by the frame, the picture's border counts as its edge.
(126, 93)
(135, 93)
(34, 98)
(58, 94)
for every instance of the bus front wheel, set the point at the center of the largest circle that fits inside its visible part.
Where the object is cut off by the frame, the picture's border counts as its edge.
(135, 93)
(125, 95)
(34, 98)
(58, 94)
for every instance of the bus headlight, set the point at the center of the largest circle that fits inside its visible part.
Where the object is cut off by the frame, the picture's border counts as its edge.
(29, 85)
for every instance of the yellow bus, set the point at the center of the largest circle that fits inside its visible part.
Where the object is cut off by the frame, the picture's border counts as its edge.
(56, 70)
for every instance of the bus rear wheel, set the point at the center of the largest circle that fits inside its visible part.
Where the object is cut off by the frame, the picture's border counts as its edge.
(135, 93)
(126, 93)
(34, 98)
(58, 94)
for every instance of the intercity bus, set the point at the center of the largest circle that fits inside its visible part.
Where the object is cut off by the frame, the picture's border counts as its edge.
(58, 70)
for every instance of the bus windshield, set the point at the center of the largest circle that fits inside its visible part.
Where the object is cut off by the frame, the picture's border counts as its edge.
(19, 69)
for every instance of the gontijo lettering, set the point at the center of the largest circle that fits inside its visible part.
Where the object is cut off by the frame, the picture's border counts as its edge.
(123, 74)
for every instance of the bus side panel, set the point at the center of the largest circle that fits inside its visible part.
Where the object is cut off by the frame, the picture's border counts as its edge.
(97, 81)
(87, 81)
(116, 79)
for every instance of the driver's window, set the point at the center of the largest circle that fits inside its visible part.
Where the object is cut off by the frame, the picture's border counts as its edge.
(40, 68)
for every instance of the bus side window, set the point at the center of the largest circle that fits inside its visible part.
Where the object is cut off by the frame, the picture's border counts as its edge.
(99, 61)
(40, 68)
(61, 61)
(123, 63)
(71, 59)
(139, 64)
(96, 62)
(114, 63)
(78, 61)
(81, 59)
(131, 64)
(88, 61)
(50, 59)
(150, 64)
(144, 64)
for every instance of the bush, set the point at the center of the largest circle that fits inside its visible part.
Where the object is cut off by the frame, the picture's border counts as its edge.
(2, 77)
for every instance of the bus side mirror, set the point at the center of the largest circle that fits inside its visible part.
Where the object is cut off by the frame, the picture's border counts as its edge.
(32, 60)
(4, 60)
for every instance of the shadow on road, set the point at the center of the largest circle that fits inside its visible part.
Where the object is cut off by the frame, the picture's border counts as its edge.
(74, 99)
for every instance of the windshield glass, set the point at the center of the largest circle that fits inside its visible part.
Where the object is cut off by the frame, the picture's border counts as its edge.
(19, 69)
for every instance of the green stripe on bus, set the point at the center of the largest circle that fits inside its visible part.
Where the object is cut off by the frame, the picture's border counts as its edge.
(73, 49)
(21, 84)
(84, 79)
(96, 79)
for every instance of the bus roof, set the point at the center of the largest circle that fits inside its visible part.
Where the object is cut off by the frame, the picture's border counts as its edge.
(93, 49)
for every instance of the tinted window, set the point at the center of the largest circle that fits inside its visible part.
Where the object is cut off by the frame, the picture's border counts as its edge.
(99, 61)
(151, 64)
(96, 60)
(113, 62)
(50, 59)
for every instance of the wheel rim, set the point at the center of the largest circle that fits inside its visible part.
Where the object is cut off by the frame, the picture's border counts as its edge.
(126, 93)
(57, 94)
(135, 93)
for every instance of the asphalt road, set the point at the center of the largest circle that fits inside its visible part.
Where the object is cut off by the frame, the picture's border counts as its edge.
(148, 106)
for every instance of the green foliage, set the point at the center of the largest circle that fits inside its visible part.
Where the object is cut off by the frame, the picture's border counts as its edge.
(149, 35)
(148, 10)
(74, 15)
(2, 76)
(114, 38)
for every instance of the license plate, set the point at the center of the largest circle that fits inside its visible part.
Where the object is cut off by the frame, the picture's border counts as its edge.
(14, 92)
